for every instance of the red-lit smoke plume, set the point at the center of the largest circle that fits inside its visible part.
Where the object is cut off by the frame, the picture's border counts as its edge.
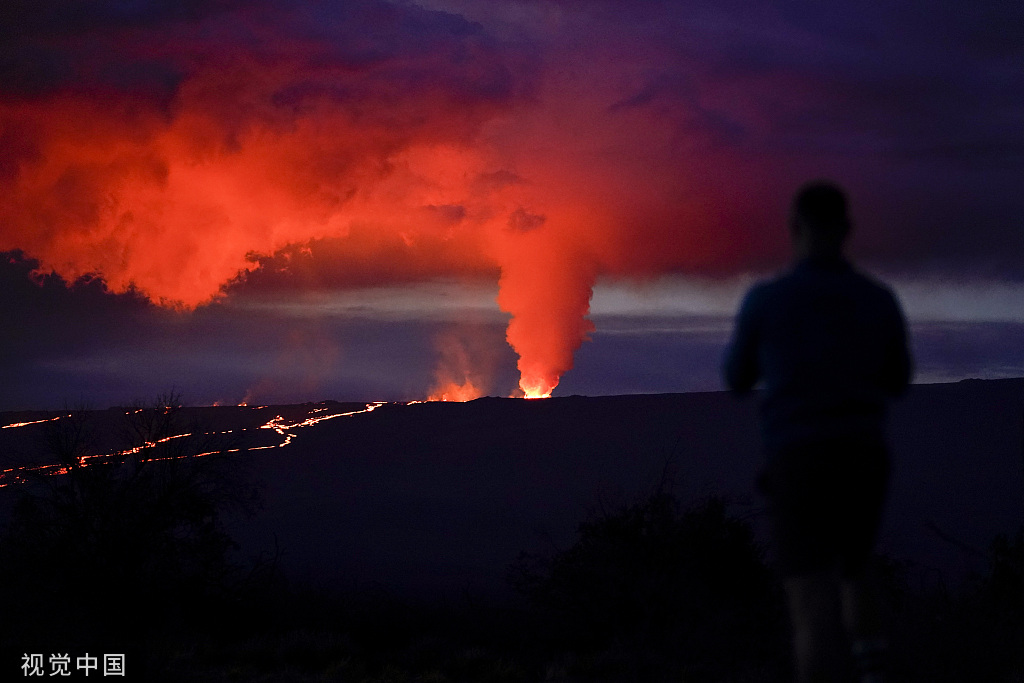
(409, 141)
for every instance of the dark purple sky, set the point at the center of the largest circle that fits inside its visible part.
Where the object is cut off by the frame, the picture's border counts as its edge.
(286, 201)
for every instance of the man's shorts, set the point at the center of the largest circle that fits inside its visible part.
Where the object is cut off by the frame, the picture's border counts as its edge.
(825, 502)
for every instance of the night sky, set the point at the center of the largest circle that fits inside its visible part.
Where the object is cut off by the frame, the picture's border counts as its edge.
(290, 201)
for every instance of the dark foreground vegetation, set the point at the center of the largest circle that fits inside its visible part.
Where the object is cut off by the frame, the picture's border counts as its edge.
(134, 556)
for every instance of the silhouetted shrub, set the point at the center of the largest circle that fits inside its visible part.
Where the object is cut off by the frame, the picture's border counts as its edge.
(971, 629)
(682, 590)
(131, 542)
(1005, 585)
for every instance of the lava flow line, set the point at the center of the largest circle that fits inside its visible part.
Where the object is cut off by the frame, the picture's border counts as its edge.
(278, 424)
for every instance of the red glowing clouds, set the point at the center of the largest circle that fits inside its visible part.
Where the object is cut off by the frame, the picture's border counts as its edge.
(414, 143)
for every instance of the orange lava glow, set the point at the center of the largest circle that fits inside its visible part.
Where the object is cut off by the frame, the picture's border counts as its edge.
(26, 424)
(538, 389)
(536, 394)
(457, 393)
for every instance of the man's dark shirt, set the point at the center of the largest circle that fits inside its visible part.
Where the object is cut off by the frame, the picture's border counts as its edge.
(829, 345)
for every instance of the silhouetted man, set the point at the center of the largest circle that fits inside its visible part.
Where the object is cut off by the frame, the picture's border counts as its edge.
(829, 346)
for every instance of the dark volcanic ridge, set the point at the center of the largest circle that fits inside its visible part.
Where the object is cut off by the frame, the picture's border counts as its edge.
(434, 499)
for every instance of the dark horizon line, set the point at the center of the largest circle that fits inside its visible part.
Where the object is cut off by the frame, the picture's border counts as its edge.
(331, 401)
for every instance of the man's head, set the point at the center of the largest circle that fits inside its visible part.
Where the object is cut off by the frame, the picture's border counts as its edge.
(818, 222)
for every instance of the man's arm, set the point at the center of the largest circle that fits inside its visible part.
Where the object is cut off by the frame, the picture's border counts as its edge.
(740, 365)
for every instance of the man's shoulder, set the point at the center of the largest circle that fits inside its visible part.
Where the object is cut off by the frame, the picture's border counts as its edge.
(772, 287)
(798, 283)
(873, 286)
(843, 275)
(759, 293)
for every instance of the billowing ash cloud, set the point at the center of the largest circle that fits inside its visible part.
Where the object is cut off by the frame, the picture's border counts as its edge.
(177, 147)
